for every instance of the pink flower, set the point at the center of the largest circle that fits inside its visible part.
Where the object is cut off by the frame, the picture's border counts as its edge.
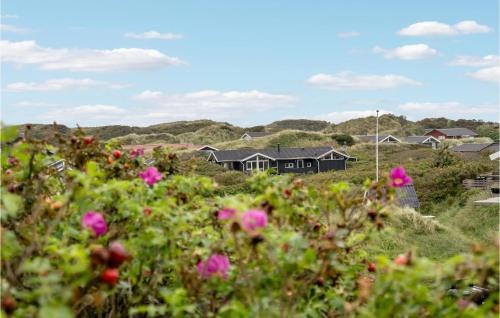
(253, 219)
(399, 177)
(95, 222)
(12, 161)
(215, 265)
(137, 152)
(226, 213)
(150, 175)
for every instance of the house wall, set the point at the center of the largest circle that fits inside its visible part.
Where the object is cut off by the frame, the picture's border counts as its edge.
(436, 134)
(312, 169)
(326, 165)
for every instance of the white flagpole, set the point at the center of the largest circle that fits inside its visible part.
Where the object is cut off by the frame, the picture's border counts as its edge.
(376, 148)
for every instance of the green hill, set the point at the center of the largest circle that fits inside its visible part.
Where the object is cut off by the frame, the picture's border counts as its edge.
(297, 124)
(388, 124)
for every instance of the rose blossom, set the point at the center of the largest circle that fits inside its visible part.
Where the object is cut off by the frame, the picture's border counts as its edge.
(226, 213)
(215, 265)
(150, 175)
(137, 152)
(253, 219)
(95, 222)
(399, 177)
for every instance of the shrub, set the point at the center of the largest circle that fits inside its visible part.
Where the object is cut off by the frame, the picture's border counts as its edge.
(343, 139)
(116, 238)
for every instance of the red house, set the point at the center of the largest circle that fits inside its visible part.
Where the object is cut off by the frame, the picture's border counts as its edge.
(451, 133)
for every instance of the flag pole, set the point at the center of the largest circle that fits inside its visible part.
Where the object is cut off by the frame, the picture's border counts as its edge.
(376, 149)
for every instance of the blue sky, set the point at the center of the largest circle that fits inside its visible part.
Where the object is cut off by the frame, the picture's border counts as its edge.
(247, 62)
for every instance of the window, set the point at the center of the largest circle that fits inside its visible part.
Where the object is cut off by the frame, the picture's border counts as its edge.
(332, 157)
(300, 163)
(262, 165)
(289, 165)
(309, 164)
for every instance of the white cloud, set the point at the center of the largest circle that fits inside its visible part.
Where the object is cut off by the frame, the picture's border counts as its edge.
(338, 117)
(432, 28)
(59, 84)
(153, 107)
(476, 61)
(349, 34)
(32, 104)
(9, 16)
(85, 115)
(469, 27)
(489, 74)
(407, 52)
(13, 29)
(86, 60)
(153, 35)
(351, 81)
(214, 101)
(209, 104)
(448, 108)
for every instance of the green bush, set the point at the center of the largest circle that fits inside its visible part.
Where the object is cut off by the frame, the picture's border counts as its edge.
(112, 237)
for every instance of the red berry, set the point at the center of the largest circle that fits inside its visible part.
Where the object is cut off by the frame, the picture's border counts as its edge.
(110, 276)
(88, 140)
(147, 211)
(372, 268)
(401, 260)
(117, 254)
(8, 304)
(287, 193)
(117, 154)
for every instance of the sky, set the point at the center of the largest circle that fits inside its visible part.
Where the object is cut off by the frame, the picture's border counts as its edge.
(248, 63)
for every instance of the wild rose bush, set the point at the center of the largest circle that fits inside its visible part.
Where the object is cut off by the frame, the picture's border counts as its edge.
(113, 237)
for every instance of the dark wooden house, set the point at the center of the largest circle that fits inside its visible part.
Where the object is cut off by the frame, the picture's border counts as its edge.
(283, 160)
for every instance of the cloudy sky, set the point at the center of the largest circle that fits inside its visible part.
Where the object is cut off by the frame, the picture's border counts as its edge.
(247, 62)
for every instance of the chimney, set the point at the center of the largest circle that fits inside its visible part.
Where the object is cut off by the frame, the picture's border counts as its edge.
(278, 147)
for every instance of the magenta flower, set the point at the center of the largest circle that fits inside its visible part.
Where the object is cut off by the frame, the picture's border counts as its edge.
(137, 152)
(215, 265)
(95, 222)
(150, 175)
(399, 177)
(226, 213)
(253, 219)
(12, 161)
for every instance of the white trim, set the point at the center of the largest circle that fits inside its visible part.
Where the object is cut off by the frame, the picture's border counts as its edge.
(308, 164)
(212, 154)
(289, 165)
(333, 150)
(430, 137)
(211, 148)
(390, 136)
(245, 134)
(303, 165)
(256, 154)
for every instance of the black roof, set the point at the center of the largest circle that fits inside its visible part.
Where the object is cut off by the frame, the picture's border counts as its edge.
(373, 138)
(419, 139)
(474, 147)
(283, 153)
(453, 132)
(407, 196)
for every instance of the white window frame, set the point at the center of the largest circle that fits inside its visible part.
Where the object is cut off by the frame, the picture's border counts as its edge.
(300, 163)
(309, 164)
(289, 165)
(251, 164)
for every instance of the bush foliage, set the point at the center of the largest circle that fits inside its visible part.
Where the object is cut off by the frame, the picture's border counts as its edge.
(174, 247)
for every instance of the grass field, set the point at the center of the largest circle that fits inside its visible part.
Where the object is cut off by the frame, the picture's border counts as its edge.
(458, 223)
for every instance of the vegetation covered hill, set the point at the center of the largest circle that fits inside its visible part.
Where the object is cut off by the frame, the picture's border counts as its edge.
(297, 124)
(209, 131)
(388, 124)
